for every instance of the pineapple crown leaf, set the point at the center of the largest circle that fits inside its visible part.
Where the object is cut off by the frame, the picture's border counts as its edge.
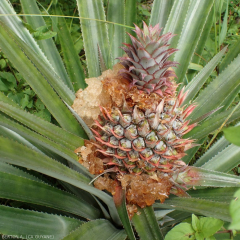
(146, 64)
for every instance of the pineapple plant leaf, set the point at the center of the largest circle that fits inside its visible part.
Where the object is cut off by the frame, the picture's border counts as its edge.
(116, 33)
(130, 16)
(35, 154)
(47, 46)
(94, 230)
(146, 224)
(160, 12)
(42, 194)
(231, 134)
(42, 223)
(71, 59)
(96, 32)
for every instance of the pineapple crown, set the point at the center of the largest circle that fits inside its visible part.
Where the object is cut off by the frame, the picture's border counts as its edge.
(146, 64)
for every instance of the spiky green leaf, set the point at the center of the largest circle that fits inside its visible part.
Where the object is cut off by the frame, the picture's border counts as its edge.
(146, 224)
(24, 223)
(15, 153)
(120, 203)
(97, 229)
(197, 206)
(195, 85)
(116, 33)
(71, 58)
(19, 54)
(191, 32)
(160, 12)
(39, 125)
(48, 46)
(25, 190)
(212, 96)
(95, 34)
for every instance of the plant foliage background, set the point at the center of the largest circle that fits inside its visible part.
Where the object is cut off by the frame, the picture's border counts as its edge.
(42, 186)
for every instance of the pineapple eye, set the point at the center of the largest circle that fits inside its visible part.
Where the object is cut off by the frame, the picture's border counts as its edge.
(149, 166)
(170, 152)
(118, 130)
(131, 131)
(125, 120)
(176, 124)
(171, 136)
(139, 143)
(117, 161)
(107, 128)
(105, 137)
(121, 153)
(165, 117)
(110, 151)
(125, 143)
(115, 116)
(178, 111)
(161, 128)
(146, 153)
(161, 146)
(155, 159)
(113, 141)
(134, 155)
(143, 128)
(151, 137)
(151, 116)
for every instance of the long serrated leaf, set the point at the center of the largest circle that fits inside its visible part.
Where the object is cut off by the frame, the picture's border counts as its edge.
(213, 151)
(9, 17)
(160, 12)
(234, 211)
(39, 125)
(41, 67)
(25, 190)
(201, 43)
(146, 224)
(82, 123)
(116, 33)
(43, 141)
(223, 32)
(71, 58)
(15, 153)
(198, 206)
(7, 132)
(193, 26)
(24, 223)
(120, 203)
(94, 34)
(195, 85)
(12, 46)
(47, 45)
(177, 216)
(130, 16)
(176, 20)
(232, 134)
(214, 194)
(212, 96)
(225, 160)
(232, 53)
(212, 124)
(230, 98)
(207, 177)
(97, 229)
(7, 168)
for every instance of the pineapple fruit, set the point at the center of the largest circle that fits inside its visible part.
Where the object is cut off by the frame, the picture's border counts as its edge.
(140, 126)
